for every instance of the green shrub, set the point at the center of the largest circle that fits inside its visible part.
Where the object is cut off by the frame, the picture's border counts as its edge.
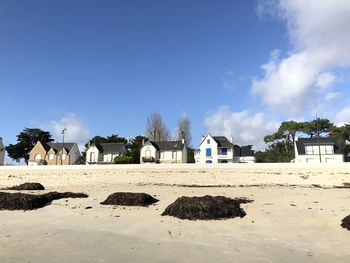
(122, 159)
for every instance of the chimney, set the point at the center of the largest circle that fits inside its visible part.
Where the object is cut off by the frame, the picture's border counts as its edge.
(231, 139)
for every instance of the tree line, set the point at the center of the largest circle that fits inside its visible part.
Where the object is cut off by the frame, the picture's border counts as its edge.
(156, 130)
(281, 143)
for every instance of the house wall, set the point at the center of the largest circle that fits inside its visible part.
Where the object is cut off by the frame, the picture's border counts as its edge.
(2, 153)
(146, 148)
(37, 149)
(315, 157)
(167, 157)
(244, 159)
(92, 149)
(74, 154)
(201, 157)
(51, 162)
(109, 158)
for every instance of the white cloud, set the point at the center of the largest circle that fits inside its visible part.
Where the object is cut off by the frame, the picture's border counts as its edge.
(332, 96)
(343, 116)
(77, 130)
(319, 32)
(245, 127)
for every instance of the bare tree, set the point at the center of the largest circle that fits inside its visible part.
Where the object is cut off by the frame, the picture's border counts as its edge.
(156, 129)
(184, 130)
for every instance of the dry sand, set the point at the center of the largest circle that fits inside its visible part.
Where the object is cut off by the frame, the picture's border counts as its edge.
(290, 219)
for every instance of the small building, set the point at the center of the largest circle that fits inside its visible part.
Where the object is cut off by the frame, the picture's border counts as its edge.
(317, 150)
(54, 153)
(218, 149)
(104, 153)
(2, 152)
(163, 152)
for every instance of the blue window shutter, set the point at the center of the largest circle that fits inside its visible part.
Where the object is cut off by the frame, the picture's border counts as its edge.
(208, 152)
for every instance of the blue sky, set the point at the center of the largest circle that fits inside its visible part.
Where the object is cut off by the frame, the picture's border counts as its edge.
(101, 67)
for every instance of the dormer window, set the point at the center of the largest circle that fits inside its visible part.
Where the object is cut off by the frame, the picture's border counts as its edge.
(208, 141)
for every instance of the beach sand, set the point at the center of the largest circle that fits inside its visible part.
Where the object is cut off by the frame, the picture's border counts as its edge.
(295, 216)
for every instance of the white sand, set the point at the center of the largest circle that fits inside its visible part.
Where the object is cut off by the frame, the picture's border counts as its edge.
(272, 231)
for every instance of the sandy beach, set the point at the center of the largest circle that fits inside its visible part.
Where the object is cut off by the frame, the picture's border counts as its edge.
(295, 216)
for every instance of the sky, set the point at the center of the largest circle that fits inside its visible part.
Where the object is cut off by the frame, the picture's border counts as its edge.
(232, 67)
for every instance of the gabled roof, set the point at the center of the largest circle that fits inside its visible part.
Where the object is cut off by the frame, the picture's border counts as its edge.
(167, 145)
(302, 142)
(222, 141)
(170, 145)
(112, 148)
(57, 146)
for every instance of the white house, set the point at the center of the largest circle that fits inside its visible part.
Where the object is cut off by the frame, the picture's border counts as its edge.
(2, 152)
(218, 149)
(163, 152)
(317, 150)
(104, 153)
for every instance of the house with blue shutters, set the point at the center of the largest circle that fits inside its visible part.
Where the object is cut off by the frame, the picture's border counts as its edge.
(218, 149)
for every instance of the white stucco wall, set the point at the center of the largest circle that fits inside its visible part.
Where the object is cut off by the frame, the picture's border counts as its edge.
(2, 153)
(148, 147)
(92, 149)
(203, 146)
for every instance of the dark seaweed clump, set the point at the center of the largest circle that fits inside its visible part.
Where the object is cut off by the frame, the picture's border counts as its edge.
(206, 208)
(21, 201)
(27, 186)
(129, 199)
(345, 223)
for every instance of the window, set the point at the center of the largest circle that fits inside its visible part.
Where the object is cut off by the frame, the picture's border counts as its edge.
(208, 141)
(63, 156)
(92, 157)
(224, 151)
(309, 150)
(208, 161)
(37, 157)
(329, 149)
(174, 155)
(51, 156)
(148, 153)
(208, 152)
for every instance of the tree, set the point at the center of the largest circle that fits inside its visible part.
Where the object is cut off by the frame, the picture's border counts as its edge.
(26, 140)
(276, 153)
(184, 130)
(156, 129)
(134, 147)
(286, 133)
(342, 135)
(323, 126)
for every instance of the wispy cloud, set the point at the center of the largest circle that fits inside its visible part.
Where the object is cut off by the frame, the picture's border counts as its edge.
(77, 130)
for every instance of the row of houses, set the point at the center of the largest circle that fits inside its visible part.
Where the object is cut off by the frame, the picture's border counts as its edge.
(211, 150)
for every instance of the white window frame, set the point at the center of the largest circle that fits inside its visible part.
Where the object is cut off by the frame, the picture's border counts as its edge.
(63, 156)
(329, 149)
(51, 156)
(174, 155)
(307, 150)
(37, 157)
